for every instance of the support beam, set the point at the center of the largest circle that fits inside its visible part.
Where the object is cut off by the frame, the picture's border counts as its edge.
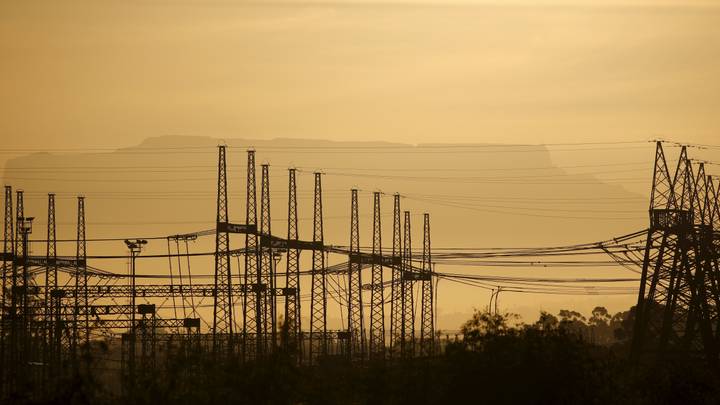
(167, 291)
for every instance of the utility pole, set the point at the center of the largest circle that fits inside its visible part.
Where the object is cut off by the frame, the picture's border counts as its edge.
(134, 247)
(276, 257)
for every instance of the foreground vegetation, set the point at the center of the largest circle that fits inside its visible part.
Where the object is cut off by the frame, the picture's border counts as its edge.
(562, 359)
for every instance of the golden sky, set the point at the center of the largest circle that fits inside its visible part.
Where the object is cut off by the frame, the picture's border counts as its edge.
(112, 73)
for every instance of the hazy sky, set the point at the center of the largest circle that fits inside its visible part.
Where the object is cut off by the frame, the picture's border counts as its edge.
(111, 73)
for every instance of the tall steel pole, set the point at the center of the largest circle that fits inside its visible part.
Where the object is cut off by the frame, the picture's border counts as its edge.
(49, 352)
(427, 320)
(267, 304)
(396, 285)
(252, 339)
(292, 274)
(7, 270)
(223, 302)
(355, 303)
(377, 299)
(81, 293)
(407, 316)
(135, 247)
(318, 308)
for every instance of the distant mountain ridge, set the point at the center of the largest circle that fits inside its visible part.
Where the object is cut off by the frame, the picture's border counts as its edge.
(476, 197)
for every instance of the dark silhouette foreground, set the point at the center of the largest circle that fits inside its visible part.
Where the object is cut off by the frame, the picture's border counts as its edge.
(549, 362)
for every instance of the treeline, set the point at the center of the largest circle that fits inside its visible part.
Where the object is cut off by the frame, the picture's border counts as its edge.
(558, 359)
(601, 327)
(570, 358)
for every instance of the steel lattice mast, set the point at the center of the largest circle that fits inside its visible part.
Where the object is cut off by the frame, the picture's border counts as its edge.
(49, 352)
(427, 316)
(659, 263)
(702, 314)
(251, 301)
(222, 303)
(8, 272)
(267, 275)
(318, 304)
(17, 298)
(377, 300)
(396, 286)
(355, 305)
(672, 310)
(407, 333)
(698, 330)
(712, 244)
(681, 309)
(19, 284)
(292, 274)
(81, 279)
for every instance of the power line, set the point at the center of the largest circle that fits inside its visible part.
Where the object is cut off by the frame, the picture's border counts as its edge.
(486, 180)
(499, 211)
